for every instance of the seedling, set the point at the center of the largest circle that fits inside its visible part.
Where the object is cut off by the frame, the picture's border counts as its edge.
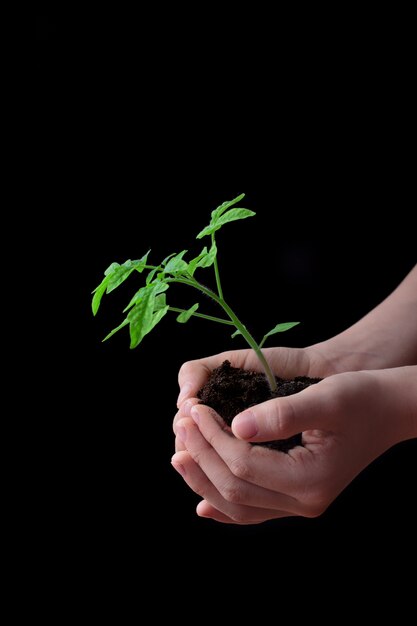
(149, 305)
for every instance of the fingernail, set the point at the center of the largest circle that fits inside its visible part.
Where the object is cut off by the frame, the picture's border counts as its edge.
(195, 415)
(185, 389)
(181, 433)
(180, 468)
(245, 426)
(186, 408)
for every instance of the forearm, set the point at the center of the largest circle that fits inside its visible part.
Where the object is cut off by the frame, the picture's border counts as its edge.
(397, 395)
(385, 337)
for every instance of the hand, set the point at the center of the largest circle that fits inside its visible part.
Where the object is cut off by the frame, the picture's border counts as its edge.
(285, 362)
(347, 420)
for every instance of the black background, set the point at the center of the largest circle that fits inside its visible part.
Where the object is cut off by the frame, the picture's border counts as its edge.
(137, 140)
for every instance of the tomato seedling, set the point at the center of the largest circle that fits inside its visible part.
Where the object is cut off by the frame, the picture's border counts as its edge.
(149, 304)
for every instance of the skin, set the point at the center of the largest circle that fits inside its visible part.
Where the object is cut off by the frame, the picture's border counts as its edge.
(366, 403)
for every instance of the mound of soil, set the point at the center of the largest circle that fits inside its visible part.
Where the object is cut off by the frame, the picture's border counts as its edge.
(230, 390)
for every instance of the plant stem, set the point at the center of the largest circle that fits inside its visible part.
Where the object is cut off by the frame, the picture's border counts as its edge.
(251, 341)
(236, 322)
(216, 270)
(203, 316)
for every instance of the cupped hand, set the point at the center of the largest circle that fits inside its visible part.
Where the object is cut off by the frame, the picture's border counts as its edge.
(347, 420)
(285, 362)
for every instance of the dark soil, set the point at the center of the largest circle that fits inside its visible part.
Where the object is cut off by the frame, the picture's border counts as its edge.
(230, 390)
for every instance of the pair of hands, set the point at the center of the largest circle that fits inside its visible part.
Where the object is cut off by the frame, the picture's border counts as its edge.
(347, 420)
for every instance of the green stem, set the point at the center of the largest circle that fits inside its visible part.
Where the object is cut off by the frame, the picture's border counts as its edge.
(237, 323)
(263, 341)
(216, 270)
(203, 316)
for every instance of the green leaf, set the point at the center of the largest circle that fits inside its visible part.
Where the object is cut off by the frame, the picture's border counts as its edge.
(117, 274)
(226, 205)
(151, 274)
(103, 286)
(145, 316)
(146, 313)
(157, 316)
(205, 259)
(140, 264)
(165, 261)
(115, 330)
(140, 318)
(98, 294)
(176, 264)
(209, 258)
(111, 268)
(159, 287)
(156, 288)
(160, 302)
(194, 263)
(136, 298)
(233, 215)
(185, 315)
(230, 216)
(217, 213)
(279, 328)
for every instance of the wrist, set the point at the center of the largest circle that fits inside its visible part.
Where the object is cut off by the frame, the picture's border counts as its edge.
(400, 391)
(350, 352)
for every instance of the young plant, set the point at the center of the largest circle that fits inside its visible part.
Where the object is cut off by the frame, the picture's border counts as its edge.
(148, 306)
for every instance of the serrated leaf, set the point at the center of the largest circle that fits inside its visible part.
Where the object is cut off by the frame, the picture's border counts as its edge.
(230, 216)
(115, 330)
(185, 315)
(224, 206)
(176, 264)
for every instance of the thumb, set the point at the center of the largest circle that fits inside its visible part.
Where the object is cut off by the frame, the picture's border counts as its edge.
(281, 418)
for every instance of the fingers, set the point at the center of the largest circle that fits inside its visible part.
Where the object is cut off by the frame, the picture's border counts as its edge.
(266, 468)
(205, 509)
(285, 362)
(231, 487)
(194, 374)
(200, 484)
(244, 473)
(281, 418)
(184, 411)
